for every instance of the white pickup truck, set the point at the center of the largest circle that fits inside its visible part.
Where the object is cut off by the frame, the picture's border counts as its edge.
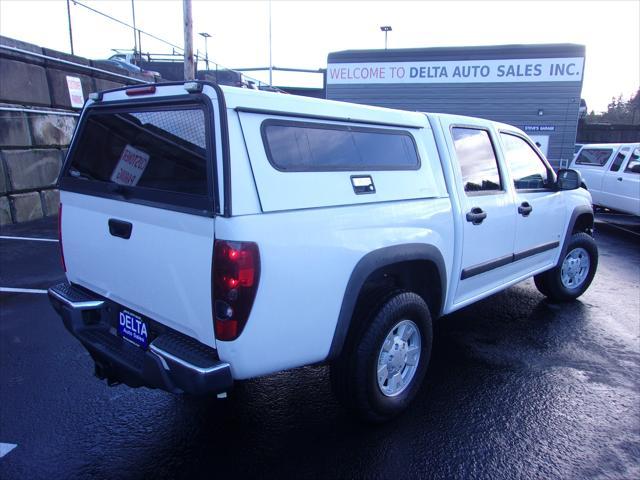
(214, 234)
(611, 173)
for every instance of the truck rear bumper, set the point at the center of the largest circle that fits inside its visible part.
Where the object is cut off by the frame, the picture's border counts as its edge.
(172, 362)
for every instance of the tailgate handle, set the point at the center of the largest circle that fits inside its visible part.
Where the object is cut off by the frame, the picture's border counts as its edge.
(121, 229)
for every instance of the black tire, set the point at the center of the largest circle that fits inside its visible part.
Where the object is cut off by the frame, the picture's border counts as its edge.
(550, 283)
(541, 284)
(354, 373)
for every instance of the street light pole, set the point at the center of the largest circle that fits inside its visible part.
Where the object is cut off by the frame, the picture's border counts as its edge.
(270, 58)
(386, 29)
(206, 48)
(70, 31)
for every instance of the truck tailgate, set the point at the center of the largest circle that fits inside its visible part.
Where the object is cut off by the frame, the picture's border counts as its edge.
(138, 197)
(163, 271)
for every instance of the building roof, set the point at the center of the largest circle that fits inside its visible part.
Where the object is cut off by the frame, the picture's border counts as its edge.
(485, 52)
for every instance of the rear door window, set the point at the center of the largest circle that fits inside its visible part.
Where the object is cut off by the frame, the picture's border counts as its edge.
(617, 162)
(594, 156)
(153, 154)
(477, 159)
(634, 163)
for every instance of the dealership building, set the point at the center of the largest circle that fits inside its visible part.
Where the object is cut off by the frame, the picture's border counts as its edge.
(533, 87)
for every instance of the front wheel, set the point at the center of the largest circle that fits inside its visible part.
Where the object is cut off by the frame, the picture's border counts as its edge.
(575, 273)
(380, 373)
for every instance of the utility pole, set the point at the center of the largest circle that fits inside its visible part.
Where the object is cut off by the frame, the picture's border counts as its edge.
(189, 72)
(135, 35)
(270, 58)
(70, 32)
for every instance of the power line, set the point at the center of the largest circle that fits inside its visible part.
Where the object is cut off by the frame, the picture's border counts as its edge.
(126, 24)
(173, 45)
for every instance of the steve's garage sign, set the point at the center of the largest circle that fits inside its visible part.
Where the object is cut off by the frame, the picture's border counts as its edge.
(472, 71)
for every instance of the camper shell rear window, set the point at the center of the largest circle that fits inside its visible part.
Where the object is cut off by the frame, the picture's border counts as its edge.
(294, 146)
(159, 155)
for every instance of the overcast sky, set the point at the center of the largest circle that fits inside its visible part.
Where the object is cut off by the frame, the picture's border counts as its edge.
(303, 33)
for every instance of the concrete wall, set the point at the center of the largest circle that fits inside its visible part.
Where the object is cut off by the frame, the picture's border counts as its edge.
(33, 136)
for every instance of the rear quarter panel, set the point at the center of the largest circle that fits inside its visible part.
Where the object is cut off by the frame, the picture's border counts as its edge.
(307, 257)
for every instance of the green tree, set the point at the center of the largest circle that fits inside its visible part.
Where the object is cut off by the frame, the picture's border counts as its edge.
(619, 111)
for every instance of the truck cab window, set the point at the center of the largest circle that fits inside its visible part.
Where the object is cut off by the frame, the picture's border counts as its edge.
(477, 160)
(622, 154)
(527, 168)
(594, 156)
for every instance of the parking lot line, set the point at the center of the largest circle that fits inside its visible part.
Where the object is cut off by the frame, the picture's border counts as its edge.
(6, 448)
(21, 290)
(621, 228)
(5, 237)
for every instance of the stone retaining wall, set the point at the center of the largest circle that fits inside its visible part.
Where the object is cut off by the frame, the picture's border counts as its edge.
(33, 147)
(33, 144)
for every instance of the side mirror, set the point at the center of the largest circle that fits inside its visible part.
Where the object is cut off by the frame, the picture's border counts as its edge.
(568, 179)
(635, 168)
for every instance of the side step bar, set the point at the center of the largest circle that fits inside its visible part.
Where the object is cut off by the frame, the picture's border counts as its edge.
(74, 298)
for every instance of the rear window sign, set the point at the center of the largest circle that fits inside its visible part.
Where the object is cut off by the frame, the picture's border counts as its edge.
(130, 166)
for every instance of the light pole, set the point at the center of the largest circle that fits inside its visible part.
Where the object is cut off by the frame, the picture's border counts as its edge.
(70, 30)
(386, 29)
(270, 58)
(206, 48)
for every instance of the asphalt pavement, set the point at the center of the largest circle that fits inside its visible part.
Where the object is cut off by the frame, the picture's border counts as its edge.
(517, 388)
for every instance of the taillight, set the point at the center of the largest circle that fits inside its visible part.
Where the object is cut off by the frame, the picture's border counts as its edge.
(235, 275)
(64, 265)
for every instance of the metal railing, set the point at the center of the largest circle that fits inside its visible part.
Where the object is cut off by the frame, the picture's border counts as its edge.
(77, 66)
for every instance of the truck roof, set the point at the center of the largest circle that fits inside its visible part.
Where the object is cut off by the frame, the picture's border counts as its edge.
(607, 145)
(297, 105)
(244, 98)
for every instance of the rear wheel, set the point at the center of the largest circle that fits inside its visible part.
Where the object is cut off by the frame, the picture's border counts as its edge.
(381, 371)
(575, 273)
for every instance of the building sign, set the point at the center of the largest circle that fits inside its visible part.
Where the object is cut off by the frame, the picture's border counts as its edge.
(75, 92)
(467, 71)
(539, 128)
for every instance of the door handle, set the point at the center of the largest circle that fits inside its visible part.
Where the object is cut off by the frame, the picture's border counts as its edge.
(619, 179)
(525, 209)
(476, 216)
(121, 229)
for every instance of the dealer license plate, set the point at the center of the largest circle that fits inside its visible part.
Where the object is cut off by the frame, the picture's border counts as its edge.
(132, 327)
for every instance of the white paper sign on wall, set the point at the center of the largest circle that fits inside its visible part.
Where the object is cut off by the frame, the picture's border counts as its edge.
(130, 167)
(75, 92)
